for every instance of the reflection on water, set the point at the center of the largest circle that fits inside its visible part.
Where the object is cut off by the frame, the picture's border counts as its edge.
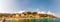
(36, 20)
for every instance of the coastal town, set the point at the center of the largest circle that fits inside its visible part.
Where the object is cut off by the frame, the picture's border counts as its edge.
(24, 15)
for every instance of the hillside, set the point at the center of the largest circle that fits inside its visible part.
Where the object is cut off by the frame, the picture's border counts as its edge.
(28, 14)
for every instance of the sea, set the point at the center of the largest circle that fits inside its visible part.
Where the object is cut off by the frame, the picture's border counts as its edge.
(35, 20)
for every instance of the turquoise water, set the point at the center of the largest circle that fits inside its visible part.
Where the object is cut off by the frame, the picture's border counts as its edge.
(37, 20)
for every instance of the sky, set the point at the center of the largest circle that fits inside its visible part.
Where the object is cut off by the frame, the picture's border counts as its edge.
(30, 5)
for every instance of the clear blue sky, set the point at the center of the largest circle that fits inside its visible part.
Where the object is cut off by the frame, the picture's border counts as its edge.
(42, 5)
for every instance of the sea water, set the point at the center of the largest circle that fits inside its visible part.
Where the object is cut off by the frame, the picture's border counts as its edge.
(37, 20)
